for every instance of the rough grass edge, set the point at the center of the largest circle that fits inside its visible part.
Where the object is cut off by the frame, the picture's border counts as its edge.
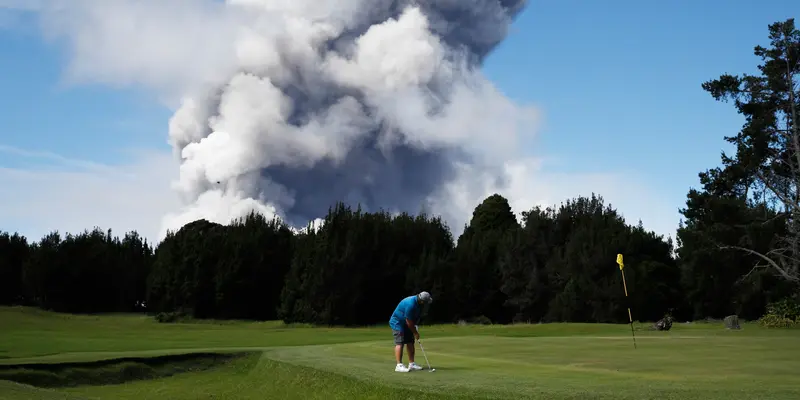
(115, 371)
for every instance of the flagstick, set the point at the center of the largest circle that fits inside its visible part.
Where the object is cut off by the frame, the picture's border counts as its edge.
(629, 308)
(625, 286)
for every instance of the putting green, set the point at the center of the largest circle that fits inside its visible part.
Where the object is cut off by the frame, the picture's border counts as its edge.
(580, 367)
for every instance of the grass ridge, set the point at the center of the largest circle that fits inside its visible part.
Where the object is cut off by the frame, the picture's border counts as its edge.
(113, 371)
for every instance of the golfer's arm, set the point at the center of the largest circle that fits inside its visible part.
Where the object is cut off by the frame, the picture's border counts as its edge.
(411, 325)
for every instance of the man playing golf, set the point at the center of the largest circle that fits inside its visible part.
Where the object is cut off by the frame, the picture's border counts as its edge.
(404, 327)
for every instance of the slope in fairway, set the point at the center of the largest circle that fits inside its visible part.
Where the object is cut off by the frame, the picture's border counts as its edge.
(257, 377)
(673, 367)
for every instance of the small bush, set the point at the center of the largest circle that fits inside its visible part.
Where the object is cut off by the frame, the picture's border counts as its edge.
(481, 320)
(169, 317)
(781, 314)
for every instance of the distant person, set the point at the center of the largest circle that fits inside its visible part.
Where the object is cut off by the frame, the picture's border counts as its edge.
(404, 327)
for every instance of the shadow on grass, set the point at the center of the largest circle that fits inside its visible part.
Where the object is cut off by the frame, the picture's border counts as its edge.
(440, 371)
(113, 371)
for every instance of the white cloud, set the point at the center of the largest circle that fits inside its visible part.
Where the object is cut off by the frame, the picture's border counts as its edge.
(169, 46)
(531, 184)
(80, 194)
(628, 193)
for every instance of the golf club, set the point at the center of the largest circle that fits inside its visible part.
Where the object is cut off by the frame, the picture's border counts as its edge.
(426, 356)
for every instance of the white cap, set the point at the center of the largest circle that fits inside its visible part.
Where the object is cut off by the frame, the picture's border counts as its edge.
(425, 297)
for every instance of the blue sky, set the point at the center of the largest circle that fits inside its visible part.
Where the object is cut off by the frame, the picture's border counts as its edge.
(618, 84)
(619, 81)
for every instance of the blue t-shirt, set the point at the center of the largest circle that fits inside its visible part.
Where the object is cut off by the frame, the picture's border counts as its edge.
(407, 309)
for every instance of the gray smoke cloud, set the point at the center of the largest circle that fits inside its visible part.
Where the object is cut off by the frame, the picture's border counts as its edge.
(371, 107)
(287, 106)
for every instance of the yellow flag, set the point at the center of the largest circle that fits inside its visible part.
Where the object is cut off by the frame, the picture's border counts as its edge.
(619, 261)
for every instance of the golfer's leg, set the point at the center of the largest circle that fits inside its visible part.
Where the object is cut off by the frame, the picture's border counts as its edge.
(398, 345)
(409, 341)
(398, 353)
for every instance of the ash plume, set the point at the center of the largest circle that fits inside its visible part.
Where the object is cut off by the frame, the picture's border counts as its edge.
(288, 106)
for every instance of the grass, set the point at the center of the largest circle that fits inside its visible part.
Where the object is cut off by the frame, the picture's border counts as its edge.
(12, 391)
(547, 361)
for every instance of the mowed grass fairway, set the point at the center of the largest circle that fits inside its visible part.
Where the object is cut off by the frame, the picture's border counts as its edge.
(548, 361)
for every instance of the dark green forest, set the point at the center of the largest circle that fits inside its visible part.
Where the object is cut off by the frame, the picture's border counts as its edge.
(737, 249)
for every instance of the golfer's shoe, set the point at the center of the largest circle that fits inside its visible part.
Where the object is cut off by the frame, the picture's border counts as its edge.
(414, 367)
(400, 368)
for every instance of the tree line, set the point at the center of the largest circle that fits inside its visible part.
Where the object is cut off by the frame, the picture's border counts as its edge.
(737, 250)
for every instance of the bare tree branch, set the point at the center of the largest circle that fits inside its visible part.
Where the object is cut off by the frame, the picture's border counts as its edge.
(766, 221)
(787, 202)
(791, 276)
(747, 275)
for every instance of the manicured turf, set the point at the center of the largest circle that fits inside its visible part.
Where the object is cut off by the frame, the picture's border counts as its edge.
(14, 391)
(549, 361)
